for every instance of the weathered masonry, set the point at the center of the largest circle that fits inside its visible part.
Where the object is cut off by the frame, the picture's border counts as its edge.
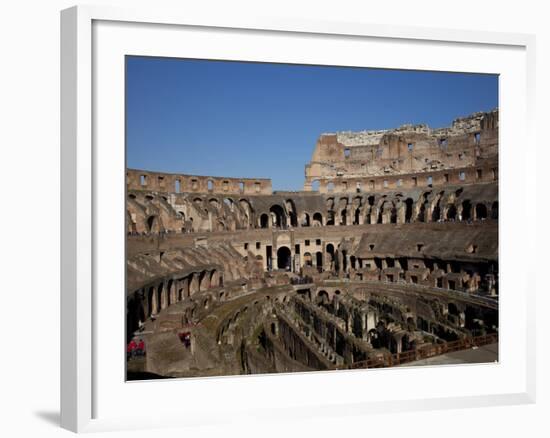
(388, 256)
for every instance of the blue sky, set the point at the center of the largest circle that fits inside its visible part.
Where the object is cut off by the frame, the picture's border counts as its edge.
(256, 120)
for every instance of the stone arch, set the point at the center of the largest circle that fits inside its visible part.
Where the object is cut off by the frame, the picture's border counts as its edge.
(153, 225)
(318, 219)
(204, 281)
(284, 260)
(409, 210)
(322, 297)
(278, 216)
(291, 208)
(451, 212)
(319, 260)
(264, 221)
(481, 211)
(466, 213)
(193, 284)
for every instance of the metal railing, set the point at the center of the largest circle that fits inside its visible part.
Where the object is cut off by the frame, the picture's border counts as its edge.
(426, 352)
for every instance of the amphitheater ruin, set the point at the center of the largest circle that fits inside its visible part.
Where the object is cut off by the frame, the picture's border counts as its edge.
(388, 256)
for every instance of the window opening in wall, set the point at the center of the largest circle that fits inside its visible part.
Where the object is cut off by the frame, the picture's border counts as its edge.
(443, 142)
(461, 175)
(461, 156)
(257, 187)
(161, 181)
(297, 249)
(495, 173)
(410, 147)
(258, 245)
(346, 152)
(194, 184)
(241, 187)
(317, 241)
(419, 246)
(330, 186)
(225, 186)
(371, 246)
(358, 187)
(446, 177)
(210, 185)
(344, 185)
(430, 181)
(479, 173)
(477, 137)
(306, 242)
(177, 186)
(143, 180)
(399, 182)
(246, 246)
(371, 184)
(385, 183)
(414, 181)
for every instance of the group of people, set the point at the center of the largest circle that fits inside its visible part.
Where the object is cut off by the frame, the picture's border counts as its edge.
(135, 349)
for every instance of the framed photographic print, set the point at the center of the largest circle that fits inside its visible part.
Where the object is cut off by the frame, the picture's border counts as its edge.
(257, 208)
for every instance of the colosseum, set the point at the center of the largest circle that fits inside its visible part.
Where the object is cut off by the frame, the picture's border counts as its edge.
(387, 257)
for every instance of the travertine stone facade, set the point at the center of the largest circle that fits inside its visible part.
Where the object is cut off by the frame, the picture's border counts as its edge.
(395, 262)
(407, 156)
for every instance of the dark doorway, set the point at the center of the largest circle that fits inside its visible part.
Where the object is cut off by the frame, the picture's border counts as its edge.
(283, 258)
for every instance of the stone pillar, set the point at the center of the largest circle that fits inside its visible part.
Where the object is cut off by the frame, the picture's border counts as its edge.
(154, 304)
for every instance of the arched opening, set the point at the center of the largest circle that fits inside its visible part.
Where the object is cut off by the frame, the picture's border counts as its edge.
(380, 217)
(330, 252)
(344, 217)
(319, 260)
(204, 281)
(466, 214)
(451, 213)
(322, 298)
(307, 259)
(264, 221)
(317, 220)
(330, 187)
(393, 215)
(291, 208)
(330, 217)
(305, 220)
(283, 258)
(436, 213)
(278, 216)
(210, 185)
(315, 185)
(481, 211)
(152, 224)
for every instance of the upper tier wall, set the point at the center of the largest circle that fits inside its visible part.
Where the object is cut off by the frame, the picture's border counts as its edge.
(407, 150)
(176, 183)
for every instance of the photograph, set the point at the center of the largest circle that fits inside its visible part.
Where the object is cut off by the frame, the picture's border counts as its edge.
(288, 218)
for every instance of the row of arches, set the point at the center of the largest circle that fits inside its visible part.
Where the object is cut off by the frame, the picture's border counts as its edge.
(150, 300)
(227, 214)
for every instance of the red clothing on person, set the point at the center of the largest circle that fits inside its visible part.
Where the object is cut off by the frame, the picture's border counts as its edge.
(141, 345)
(131, 346)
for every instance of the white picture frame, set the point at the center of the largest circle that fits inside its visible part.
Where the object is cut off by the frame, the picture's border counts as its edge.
(92, 395)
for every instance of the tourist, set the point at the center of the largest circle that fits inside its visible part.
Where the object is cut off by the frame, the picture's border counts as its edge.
(140, 348)
(131, 349)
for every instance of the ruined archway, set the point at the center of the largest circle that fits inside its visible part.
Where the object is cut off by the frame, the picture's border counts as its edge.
(283, 258)
(278, 216)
